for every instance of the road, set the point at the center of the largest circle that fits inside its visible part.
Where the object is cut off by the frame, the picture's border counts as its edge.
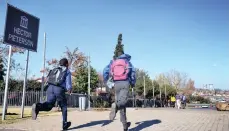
(142, 120)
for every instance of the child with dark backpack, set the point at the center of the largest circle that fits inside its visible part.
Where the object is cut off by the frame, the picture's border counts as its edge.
(57, 83)
(123, 74)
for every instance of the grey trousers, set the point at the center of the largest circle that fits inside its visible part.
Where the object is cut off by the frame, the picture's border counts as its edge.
(121, 98)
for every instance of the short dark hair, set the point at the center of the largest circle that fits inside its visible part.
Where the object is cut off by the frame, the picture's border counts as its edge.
(63, 62)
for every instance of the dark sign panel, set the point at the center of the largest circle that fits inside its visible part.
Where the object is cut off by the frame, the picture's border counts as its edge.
(21, 29)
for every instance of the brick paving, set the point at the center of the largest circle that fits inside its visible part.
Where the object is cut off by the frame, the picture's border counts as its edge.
(142, 120)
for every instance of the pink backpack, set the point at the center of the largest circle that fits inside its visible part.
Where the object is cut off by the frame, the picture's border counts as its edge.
(119, 69)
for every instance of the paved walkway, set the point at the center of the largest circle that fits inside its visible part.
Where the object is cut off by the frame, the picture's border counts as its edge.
(142, 120)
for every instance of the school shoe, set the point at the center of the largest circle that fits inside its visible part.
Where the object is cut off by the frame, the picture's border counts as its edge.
(113, 111)
(35, 111)
(66, 125)
(127, 126)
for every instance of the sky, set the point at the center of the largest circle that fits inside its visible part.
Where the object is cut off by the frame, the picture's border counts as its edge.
(190, 36)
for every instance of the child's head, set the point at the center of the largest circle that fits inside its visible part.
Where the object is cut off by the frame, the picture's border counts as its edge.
(63, 62)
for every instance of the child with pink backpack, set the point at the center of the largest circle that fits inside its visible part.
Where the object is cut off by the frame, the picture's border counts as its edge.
(123, 74)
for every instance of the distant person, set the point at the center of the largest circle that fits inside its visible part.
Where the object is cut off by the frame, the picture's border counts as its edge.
(58, 82)
(184, 100)
(178, 101)
(167, 101)
(123, 74)
(173, 101)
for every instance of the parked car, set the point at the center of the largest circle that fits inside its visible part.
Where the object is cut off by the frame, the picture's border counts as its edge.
(222, 106)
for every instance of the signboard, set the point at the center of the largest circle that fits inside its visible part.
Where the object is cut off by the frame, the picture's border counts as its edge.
(21, 29)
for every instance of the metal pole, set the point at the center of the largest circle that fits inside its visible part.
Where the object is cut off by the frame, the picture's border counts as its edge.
(43, 73)
(89, 81)
(165, 99)
(24, 86)
(160, 96)
(7, 83)
(133, 96)
(153, 95)
(144, 89)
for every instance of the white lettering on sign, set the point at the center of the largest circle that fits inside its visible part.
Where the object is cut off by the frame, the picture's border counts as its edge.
(24, 22)
(20, 40)
(22, 32)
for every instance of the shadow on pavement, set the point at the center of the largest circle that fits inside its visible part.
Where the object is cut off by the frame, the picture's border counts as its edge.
(144, 124)
(93, 123)
(9, 114)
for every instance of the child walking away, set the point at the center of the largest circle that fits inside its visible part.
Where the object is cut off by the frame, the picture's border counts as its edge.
(58, 81)
(123, 74)
(178, 101)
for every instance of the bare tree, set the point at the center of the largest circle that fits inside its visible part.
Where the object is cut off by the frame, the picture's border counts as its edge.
(101, 81)
(177, 79)
(75, 58)
(4, 51)
(190, 87)
(162, 79)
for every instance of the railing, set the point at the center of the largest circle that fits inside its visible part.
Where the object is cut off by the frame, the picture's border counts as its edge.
(15, 99)
(193, 105)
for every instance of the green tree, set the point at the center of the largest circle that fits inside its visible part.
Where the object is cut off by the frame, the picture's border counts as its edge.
(33, 85)
(199, 99)
(2, 69)
(170, 90)
(75, 58)
(139, 87)
(165, 85)
(17, 85)
(2, 73)
(154, 85)
(81, 79)
(4, 51)
(119, 47)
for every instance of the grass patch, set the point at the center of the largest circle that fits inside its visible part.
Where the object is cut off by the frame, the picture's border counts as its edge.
(14, 114)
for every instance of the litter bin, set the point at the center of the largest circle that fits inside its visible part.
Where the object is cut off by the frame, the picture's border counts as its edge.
(82, 102)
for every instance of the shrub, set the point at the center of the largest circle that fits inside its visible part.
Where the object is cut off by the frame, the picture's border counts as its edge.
(199, 99)
(100, 103)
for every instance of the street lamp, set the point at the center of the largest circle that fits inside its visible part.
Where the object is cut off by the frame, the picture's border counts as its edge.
(144, 85)
(89, 81)
(165, 90)
(153, 94)
(134, 99)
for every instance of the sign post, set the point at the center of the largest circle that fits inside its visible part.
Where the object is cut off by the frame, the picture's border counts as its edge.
(21, 30)
(6, 85)
(24, 85)
(144, 91)
(133, 95)
(89, 81)
(153, 94)
(43, 73)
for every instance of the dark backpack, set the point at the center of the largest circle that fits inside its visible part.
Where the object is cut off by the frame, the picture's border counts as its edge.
(57, 76)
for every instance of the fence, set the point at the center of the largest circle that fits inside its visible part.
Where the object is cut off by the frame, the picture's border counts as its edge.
(15, 99)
